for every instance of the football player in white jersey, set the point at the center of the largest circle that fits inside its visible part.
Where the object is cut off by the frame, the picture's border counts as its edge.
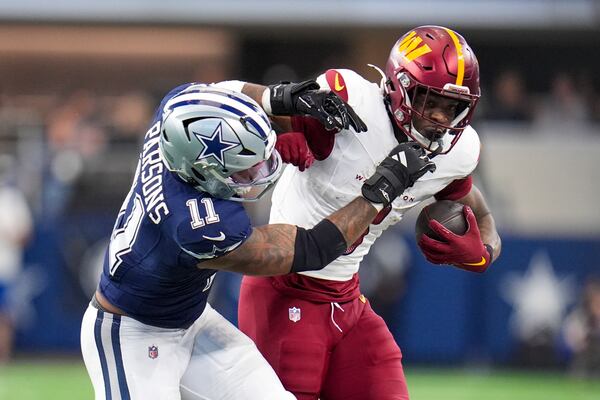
(315, 328)
(149, 332)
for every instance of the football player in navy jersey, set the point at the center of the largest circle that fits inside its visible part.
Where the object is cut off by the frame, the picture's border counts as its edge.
(149, 332)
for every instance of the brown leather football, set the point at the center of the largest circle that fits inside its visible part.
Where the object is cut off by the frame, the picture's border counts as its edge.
(446, 212)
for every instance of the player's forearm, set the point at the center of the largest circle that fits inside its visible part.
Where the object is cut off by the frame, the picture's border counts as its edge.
(255, 92)
(489, 234)
(268, 251)
(354, 219)
(485, 220)
(271, 249)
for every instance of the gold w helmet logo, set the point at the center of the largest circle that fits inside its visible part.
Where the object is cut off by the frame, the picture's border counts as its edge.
(410, 47)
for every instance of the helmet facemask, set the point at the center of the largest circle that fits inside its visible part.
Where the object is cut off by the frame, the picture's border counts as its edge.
(438, 117)
(246, 185)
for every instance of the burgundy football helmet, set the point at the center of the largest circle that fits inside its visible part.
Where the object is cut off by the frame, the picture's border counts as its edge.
(425, 63)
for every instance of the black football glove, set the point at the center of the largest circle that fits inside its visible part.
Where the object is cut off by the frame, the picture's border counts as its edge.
(406, 163)
(305, 98)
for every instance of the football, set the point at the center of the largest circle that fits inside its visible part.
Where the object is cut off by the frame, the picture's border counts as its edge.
(446, 212)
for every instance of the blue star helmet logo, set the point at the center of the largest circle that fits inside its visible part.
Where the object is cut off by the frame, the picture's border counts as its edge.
(214, 145)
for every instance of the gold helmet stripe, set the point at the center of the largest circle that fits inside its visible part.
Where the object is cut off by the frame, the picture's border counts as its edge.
(460, 73)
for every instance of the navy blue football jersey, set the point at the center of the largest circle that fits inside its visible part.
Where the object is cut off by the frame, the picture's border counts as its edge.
(164, 229)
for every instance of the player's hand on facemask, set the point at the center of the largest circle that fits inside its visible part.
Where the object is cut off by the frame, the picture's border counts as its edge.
(305, 98)
(405, 164)
(293, 148)
(463, 251)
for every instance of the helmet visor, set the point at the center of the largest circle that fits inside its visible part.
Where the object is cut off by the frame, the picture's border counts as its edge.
(453, 106)
(437, 113)
(252, 183)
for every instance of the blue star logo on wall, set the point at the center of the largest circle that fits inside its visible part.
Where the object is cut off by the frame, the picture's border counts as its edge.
(214, 145)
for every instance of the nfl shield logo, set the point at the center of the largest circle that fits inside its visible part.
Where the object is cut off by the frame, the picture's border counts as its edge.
(152, 352)
(294, 314)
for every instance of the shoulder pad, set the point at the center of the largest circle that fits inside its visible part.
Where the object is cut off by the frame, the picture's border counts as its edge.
(466, 151)
(207, 227)
(342, 82)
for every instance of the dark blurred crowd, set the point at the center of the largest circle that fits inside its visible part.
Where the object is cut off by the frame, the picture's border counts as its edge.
(76, 143)
(581, 332)
(570, 101)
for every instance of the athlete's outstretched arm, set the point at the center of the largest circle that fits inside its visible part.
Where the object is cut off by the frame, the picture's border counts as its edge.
(255, 92)
(279, 249)
(305, 98)
(270, 249)
(300, 139)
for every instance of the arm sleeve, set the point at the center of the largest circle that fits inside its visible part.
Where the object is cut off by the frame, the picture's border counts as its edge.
(457, 189)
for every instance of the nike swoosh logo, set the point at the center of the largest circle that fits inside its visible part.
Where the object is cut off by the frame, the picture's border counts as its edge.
(219, 238)
(477, 264)
(337, 86)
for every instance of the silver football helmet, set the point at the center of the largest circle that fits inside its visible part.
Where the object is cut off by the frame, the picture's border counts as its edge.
(221, 142)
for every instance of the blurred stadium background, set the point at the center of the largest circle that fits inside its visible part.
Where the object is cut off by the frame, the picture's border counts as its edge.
(79, 80)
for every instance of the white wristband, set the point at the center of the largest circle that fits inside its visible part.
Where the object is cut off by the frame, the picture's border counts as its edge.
(378, 206)
(266, 101)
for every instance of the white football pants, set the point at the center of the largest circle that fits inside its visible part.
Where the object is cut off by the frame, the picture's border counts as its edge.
(211, 360)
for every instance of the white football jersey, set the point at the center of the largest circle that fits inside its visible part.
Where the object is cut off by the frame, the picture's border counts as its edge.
(305, 198)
